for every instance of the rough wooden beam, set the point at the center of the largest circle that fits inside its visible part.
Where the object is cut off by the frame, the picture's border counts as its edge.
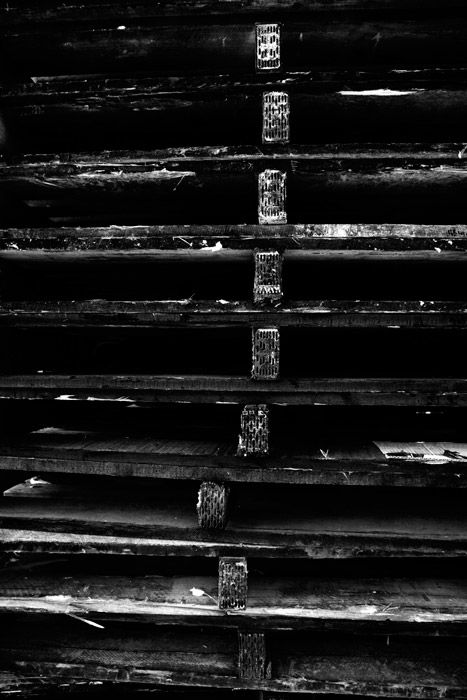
(306, 314)
(415, 606)
(25, 11)
(320, 237)
(178, 188)
(430, 392)
(408, 464)
(230, 44)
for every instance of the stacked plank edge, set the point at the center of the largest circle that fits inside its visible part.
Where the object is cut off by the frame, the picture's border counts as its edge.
(233, 395)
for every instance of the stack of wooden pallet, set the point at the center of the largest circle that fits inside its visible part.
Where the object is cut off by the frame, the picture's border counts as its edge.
(233, 391)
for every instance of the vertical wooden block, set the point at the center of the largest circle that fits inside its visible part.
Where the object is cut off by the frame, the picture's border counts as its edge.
(233, 583)
(271, 196)
(276, 117)
(252, 660)
(212, 506)
(254, 431)
(265, 353)
(268, 276)
(268, 47)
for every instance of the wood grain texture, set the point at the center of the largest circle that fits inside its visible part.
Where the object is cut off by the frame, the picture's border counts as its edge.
(162, 521)
(204, 389)
(50, 115)
(410, 606)
(167, 48)
(422, 465)
(25, 11)
(145, 239)
(315, 314)
(396, 184)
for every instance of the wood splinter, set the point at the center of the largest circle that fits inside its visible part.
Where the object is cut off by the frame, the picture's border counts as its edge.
(212, 505)
(233, 583)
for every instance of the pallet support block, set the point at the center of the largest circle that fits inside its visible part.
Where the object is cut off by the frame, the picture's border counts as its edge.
(254, 431)
(268, 47)
(252, 661)
(268, 276)
(276, 117)
(265, 353)
(272, 196)
(233, 583)
(212, 506)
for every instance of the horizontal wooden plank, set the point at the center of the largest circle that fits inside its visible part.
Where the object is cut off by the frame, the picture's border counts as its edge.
(171, 47)
(358, 237)
(162, 521)
(61, 115)
(92, 10)
(212, 389)
(214, 185)
(417, 464)
(433, 669)
(378, 605)
(314, 314)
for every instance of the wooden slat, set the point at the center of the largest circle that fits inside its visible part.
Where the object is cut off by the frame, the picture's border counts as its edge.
(412, 606)
(171, 47)
(403, 183)
(82, 114)
(25, 11)
(164, 522)
(417, 464)
(203, 389)
(433, 670)
(145, 239)
(318, 314)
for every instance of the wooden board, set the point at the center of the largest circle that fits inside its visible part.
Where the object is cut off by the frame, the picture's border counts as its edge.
(314, 314)
(163, 522)
(73, 651)
(180, 186)
(323, 237)
(371, 605)
(166, 47)
(203, 389)
(63, 114)
(329, 463)
(26, 11)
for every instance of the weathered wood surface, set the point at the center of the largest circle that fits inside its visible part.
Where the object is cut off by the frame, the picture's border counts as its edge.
(166, 47)
(417, 464)
(314, 314)
(25, 11)
(378, 605)
(359, 237)
(58, 115)
(434, 669)
(163, 522)
(229, 44)
(212, 389)
(403, 183)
